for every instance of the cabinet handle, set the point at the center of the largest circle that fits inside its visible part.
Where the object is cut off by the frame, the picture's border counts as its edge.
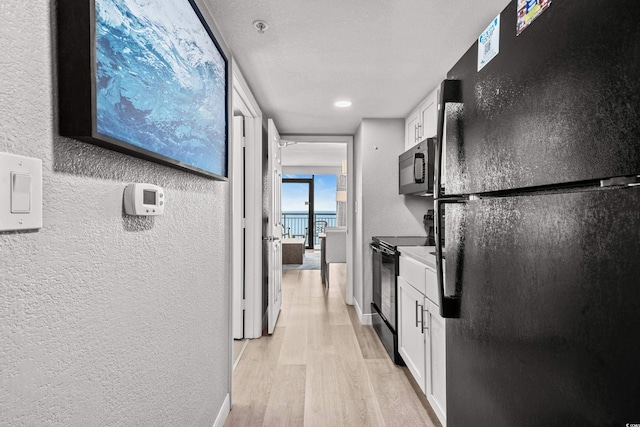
(415, 133)
(419, 133)
(417, 323)
(421, 316)
(424, 326)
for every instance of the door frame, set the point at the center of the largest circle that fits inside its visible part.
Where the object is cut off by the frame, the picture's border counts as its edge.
(236, 174)
(254, 320)
(351, 197)
(252, 192)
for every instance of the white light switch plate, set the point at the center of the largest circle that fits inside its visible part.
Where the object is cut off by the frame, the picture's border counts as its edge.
(12, 165)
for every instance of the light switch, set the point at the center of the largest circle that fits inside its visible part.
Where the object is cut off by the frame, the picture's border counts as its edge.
(20, 192)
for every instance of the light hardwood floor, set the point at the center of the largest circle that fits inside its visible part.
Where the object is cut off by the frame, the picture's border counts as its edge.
(321, 367)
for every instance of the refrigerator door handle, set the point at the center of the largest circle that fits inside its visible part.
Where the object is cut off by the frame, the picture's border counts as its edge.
(449, 304)
(449, 93)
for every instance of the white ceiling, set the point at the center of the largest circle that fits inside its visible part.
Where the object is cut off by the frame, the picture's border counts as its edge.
(383, 55)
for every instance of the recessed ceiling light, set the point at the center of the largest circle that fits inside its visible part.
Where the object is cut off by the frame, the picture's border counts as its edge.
(342, 104)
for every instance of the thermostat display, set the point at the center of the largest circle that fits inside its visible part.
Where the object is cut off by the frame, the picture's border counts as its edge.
(143, 199)
(149, 197)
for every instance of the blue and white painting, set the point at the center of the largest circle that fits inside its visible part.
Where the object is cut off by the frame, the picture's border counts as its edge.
(161, 82)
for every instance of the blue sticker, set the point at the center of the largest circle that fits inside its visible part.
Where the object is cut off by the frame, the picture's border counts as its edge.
(489, 43)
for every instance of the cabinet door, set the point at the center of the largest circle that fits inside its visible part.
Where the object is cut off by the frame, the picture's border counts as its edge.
(435, 350)
(428, 117)
(411, 344)
(411, 129)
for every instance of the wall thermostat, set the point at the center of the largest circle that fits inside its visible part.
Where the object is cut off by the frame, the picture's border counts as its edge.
(143, 199)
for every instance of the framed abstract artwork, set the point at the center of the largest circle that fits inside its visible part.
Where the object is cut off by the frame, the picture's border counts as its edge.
(146, 78)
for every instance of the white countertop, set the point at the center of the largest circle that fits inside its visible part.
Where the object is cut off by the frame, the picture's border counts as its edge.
(420, 253)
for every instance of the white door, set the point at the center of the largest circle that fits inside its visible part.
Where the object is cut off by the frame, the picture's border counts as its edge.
(274, 228)
(237, 227)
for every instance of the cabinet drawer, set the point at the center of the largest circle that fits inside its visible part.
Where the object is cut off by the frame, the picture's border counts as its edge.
(431, 286)
(413, 272)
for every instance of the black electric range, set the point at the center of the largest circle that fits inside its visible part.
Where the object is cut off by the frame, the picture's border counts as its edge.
(385, 287)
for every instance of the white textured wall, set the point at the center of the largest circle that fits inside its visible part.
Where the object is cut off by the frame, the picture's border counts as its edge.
(384, 212)
(105, 320)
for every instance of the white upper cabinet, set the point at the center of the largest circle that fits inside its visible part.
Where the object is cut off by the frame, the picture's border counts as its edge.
(429, 116)
(411, 129)
(422, 122)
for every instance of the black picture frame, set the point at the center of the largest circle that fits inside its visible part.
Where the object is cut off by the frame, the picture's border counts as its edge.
(99, 108)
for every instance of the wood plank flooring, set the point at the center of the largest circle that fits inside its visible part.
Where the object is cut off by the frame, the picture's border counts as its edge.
(321, 367)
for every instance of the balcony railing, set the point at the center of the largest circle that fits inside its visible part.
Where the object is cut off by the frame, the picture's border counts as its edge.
(297, 224)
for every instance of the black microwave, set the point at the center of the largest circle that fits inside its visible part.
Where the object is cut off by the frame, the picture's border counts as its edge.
(416, 169)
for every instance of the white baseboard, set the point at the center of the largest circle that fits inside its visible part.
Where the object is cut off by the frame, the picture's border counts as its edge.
(223, 413)
(365, 319)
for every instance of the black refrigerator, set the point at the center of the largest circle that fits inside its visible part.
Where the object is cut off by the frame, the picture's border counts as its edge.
(538, 225)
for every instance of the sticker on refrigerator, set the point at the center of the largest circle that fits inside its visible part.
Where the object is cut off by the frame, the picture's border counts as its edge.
(528, 10)
(489, 43)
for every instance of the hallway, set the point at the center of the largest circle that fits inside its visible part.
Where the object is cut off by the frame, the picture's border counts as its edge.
(321, 367)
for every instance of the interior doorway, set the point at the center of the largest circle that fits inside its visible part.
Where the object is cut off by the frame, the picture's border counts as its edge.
(319, 155)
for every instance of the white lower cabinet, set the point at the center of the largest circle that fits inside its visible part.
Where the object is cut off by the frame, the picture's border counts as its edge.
(436, 360)
(410, 334)
(422, 341)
